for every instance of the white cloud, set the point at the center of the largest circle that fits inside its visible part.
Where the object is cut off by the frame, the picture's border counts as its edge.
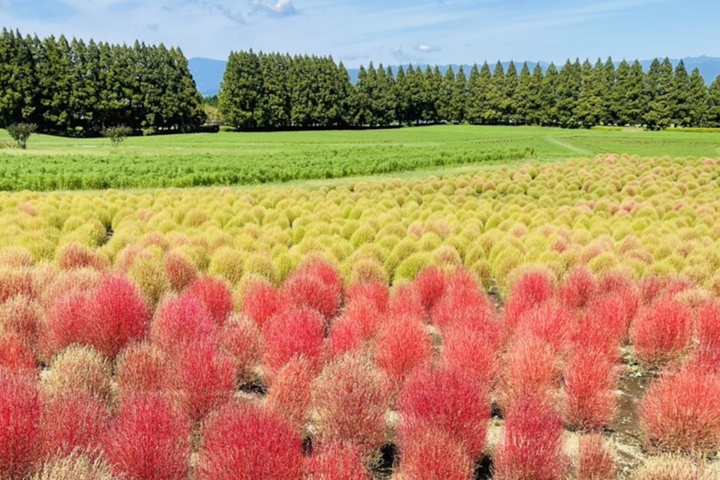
(424, 48)
(275, 8)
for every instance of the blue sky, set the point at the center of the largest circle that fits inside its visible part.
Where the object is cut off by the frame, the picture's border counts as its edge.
(389, 31)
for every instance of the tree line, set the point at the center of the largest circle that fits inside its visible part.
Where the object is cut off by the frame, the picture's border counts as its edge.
(280, 91)
(74, 88)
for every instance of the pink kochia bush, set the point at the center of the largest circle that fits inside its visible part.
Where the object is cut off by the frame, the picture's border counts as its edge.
(248, 442)
(530, 369)
(107, 317)
(578, 289)
(20, 410)
(14, 354)
(435, 455)
(70, 421)
(402, 346)
(680, 412)
(293, 331)
(531, 290)
(531, 444)
(351, 399)
(262, 301)
(180, 322)
(590, 384)
(462, 302)
(204, 376)
(149, 440)
(447, 399)
(338, 461)
(215, 294)
(662, 332)
(316, 284)
(595, 459)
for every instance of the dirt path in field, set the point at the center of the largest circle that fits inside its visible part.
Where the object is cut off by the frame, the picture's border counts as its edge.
(568, 146)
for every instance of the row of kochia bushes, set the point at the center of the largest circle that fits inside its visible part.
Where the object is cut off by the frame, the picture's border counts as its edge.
(648, 216)
(311, 379)
(95, 172)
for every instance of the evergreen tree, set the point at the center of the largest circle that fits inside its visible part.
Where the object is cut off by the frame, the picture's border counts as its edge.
(660, 81)
(533, 104)
(628, 99)
(432, 86)
(401, 97)
(680, 97)
(509, 108)
(609, 79)
(460, 96)
(495, 96)
(362, 114)
(522, 95)
(549, 96)
(415, 94)
(714, 103)
(476, 97)
(446, 99)
(241, 90)
(568, 92)
(698, 99)
(275, 106)
(590, 105)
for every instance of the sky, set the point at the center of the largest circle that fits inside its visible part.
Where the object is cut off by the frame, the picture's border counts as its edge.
(388, 31)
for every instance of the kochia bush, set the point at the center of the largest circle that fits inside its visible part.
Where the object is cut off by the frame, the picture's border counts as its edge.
(531, 444)
(247, 442)
(680, 412)
(20, 410)
(149, 440)
(662, 332)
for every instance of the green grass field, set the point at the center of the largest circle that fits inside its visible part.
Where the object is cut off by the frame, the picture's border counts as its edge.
(52, 163)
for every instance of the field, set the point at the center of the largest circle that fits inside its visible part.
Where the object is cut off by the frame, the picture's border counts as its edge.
(529, 319)
(245, 159)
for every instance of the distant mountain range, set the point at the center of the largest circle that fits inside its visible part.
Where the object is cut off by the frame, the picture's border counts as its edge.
(208, 73)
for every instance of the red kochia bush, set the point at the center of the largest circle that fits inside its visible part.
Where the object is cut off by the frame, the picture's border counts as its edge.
(20, 411)
(531, 289)
(338, 461)
(550, 322)
(215, 294)
(708, 325)
(247, 442)
(351, 399)
(474, 350)
(447, 399)
(149, 440)
(680, 413)
(179, 322)
(662, 331)
(595, 459)
(262, 301)
(590, 384)
(602, 327)
(531, 444)
(179, 270)
(346, 336)
(579, 288)
(73, 420)
(435, 455)
(107, 317)
(141, 368)
(241, 340)
(294, 331)
(205, 377)
(402, 346)
(530, 369)
(14, 354)
(120, 314)
(316, 284)
(289, 393)
(430, 284)
(462, 302)
(376, 294)
(405, 301)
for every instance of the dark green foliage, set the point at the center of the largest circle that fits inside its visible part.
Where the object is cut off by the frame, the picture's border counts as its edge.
(78, 89)
(20, 132)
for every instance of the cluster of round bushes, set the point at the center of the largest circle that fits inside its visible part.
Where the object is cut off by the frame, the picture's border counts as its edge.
(313, 378)
(646, 215)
